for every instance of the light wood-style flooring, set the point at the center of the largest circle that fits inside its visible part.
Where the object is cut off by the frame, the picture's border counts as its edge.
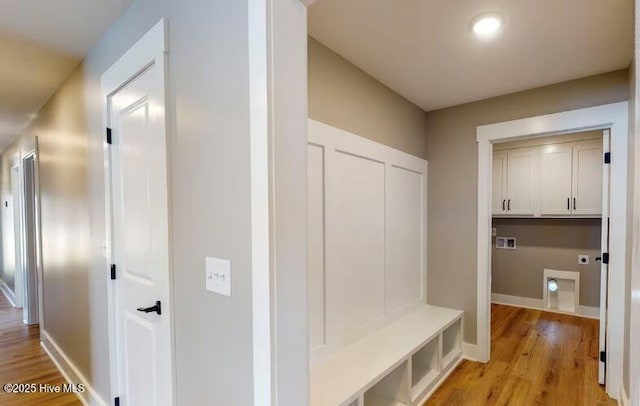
(22, 360)
(537, 358)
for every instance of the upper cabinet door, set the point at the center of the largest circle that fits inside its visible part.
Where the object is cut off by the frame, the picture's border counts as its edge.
(587, 178)
(555, 180)
(521, 182)
(499, 184)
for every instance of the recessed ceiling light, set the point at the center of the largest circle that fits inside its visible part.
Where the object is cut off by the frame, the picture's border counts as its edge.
(486, 26)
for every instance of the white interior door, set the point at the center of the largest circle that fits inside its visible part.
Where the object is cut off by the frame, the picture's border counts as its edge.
(498, 183)
(604, 267)
(587, 175)
(555, 179)
(17, 231)
(521, 182)
(140, 232)
(31, 312)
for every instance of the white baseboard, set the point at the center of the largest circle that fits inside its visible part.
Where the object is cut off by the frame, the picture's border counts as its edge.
(538, 304)
(624, 398)
(69, 371)
(11, 297)
(470, 352)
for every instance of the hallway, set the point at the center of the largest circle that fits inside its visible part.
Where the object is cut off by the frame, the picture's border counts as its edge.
(537, 358)
(22, 360)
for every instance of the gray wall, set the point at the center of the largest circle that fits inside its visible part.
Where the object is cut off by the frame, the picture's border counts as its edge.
(453, 177)
(546, 243)
(209, 138)
(62, 145)
(344, 96)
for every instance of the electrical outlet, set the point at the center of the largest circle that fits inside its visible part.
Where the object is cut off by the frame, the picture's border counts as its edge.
(218, 276)
(494, 232)
(583, 259)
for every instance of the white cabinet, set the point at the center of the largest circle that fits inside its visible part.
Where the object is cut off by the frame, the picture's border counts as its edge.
(563, 179)
(521, 182)
(513, 182)
(571, 179)
(555, 179)
(499, 184)
(587, 178)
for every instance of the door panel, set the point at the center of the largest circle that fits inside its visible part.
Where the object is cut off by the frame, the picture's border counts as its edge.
(520, 182)
(498, 184)
(140, 239)
(555, 179)
(587, 178)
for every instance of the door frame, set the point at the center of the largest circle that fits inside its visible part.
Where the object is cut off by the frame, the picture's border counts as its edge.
(149, 50)
(37, 231)
(610, 116)
(18, 231)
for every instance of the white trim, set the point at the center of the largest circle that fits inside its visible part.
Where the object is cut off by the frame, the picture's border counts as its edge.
(624, 399)
(11, 297)
(470, 352)
(149, 50)
(538, 304)
(613, 116)
(69, 370)
(37, 233)
(259, 170)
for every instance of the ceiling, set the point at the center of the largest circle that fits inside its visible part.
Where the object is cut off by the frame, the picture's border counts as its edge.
(42, 42)
(424, 49)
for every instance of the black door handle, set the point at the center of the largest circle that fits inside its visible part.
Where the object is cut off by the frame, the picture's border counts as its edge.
(157, 308)
(574, 203)
(568, 203)
(503, 204)
(509, 205)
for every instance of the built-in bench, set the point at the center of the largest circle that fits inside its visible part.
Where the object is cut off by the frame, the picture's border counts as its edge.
(399, 365)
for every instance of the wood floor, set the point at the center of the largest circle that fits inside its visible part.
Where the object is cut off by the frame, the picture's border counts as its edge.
(22, 360)
(537, 358)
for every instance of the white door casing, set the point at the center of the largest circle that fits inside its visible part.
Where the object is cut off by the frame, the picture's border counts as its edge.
(604, 267)
(138, 224)
(610, 116)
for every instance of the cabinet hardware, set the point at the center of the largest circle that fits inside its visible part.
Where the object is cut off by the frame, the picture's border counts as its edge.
(574, 203)
(503, 204)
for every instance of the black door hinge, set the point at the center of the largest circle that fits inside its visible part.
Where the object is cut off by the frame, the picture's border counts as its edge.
(116, 401)
(113, 271)
(605, 257)
(607, 157)
(603, 356)
(108, 135)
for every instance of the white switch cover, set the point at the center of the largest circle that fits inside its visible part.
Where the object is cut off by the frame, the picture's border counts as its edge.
(218, 272)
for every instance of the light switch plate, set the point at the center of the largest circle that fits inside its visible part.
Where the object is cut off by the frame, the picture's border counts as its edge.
(218, 276)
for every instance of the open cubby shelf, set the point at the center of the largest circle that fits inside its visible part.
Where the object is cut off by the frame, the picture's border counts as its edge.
(399, 365)
(391, 390)
(451, 343)
(425, 367)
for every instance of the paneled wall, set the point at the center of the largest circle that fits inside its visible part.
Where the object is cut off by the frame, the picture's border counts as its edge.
(367, 234)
